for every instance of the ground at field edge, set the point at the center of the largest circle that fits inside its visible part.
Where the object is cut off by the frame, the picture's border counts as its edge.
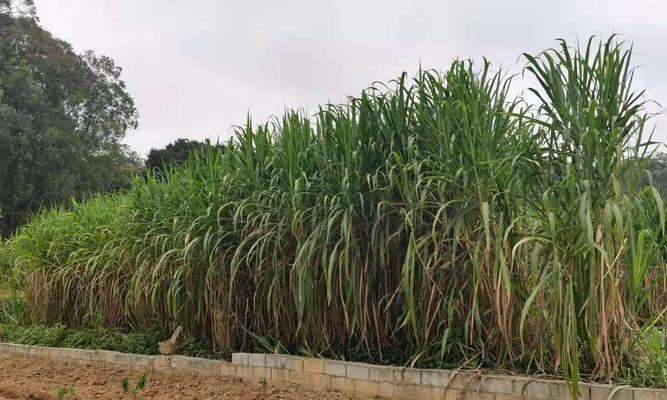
(36, 379)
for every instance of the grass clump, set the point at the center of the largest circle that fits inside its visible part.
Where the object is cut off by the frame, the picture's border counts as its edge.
(431, 221)
(67, 393)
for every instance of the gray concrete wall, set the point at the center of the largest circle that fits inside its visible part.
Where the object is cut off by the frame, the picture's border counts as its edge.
(368, 379)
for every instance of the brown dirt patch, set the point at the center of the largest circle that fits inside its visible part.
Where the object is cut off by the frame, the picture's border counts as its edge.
(36, 379)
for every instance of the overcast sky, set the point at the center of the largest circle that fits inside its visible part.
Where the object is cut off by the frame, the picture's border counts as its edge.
(196, 68)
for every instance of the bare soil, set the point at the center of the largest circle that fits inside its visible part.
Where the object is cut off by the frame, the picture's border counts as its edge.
(35, 379)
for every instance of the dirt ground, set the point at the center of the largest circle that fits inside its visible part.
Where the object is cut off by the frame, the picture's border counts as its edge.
(34, 379)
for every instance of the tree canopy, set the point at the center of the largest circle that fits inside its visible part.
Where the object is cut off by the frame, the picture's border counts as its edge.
(174, 153)
(62, 116)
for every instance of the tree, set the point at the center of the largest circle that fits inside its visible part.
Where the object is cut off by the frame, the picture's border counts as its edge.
(174, 153)
(657, 166)
(18, 7)
(62, 116)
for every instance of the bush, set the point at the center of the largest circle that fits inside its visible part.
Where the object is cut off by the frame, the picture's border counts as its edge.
(34, 335)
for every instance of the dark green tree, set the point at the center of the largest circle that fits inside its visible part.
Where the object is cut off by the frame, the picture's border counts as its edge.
(62, 116)
(657, 167)
(174, 153)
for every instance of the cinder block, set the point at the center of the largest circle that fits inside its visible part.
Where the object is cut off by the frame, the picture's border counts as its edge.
(483, 396)
(609, 392)
(644, 394)
(131, 360)
(366, 387)
(409, 376)
(309, 380)
(438, 393)
(334, 368)
(409, 392)
(386, 389)
(434, 377)
(194, 366)
(395, 375)
(453, 394)
(461, 380)
(599, 392)
(508, 397)
(19, 349)
(486, 396)
(180, 363)
(142, 362)
(319, 382)
(243, 372)
(313, 365)
(584, 392)
(622, 394)
(299, 377)
(660, 394)
(95, 356)
(228, 369)
(81, 354)
(162, 363)
(496, 384)
(204, 367)
(64, 354)
(106, 356)
(476, 395)
(280, 375)
(278, 361)
(341, 384)
(380, 373)
(357, 371)
(537, 389)
(470, 395)
(122, 359)
(257, 360)
(297, 364)
(240, 358)
(253, 374)
(561, 391)
(35, 351)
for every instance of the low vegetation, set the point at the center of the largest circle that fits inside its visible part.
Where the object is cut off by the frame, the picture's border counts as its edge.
(433, 221)
(15, 328)
(58, 335)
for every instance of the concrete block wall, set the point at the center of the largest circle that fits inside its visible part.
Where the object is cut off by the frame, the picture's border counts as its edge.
(368, 379)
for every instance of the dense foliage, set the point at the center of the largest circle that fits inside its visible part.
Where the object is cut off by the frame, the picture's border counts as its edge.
(434, 221)
(62, 116)
(159, 160)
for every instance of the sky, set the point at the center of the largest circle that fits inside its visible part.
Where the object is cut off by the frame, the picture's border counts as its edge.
(197, 68)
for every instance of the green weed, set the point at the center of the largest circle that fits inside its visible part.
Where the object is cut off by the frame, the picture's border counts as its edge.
(67, 393)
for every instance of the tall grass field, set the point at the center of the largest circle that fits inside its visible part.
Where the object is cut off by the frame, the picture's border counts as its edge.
(436, 220)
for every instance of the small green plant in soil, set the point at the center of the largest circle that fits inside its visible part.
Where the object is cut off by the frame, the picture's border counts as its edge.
(140, 385)
(67, 393)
